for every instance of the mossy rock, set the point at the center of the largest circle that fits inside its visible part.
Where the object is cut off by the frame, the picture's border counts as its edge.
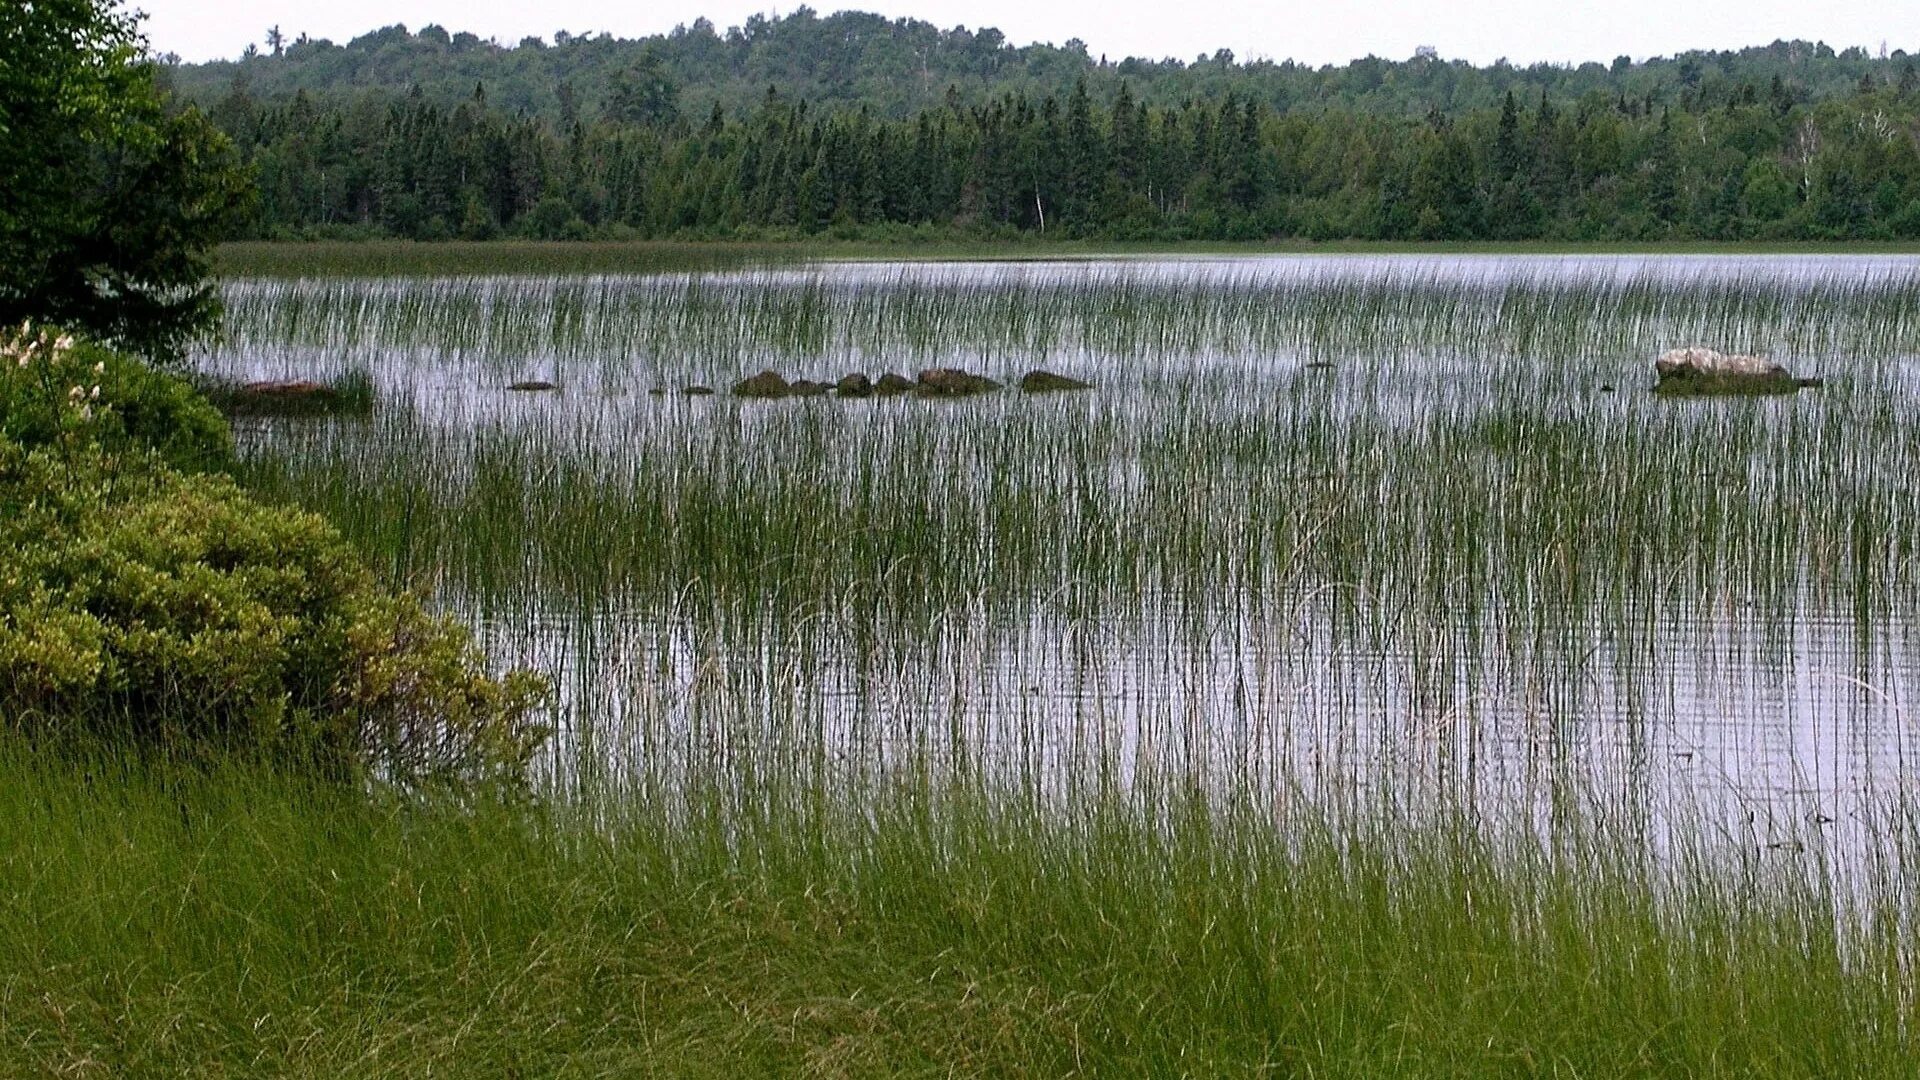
(1046, 382)
(766, 385)
(953, 382)
(892, 384)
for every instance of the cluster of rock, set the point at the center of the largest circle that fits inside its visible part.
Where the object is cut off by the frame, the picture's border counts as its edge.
(1695, 371)
(932, 383)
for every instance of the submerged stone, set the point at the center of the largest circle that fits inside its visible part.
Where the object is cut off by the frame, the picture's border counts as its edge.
(856, 385)
(767, 384)
(1697, 371)
(698, 391)
(1042, 382)
(531, 386)
(953, 382)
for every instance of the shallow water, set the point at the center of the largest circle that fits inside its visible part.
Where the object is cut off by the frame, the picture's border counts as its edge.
(1470, 559)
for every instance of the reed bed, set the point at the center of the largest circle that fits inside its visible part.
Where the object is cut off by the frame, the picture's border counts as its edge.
(706, 323)
(1369, 677)
(1364, 526)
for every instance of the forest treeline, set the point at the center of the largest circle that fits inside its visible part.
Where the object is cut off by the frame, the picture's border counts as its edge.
(1753, 161)
(897, 67)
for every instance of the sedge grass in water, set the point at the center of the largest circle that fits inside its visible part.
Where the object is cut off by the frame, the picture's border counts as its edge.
(1139, 314)
(237, 924)
(1386, 523)
(1351, 684)
(1332, 548)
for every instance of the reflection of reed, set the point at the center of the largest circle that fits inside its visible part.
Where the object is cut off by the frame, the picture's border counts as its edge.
(1453, 567)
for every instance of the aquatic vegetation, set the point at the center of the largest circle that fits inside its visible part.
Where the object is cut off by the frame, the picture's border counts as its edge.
(1415, 525)
(1396, 687)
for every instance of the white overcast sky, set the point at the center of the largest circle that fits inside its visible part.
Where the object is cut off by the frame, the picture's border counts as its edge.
(1313, 31)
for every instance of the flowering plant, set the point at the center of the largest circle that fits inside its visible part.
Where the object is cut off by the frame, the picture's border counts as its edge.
(49, 387)
(63, 393)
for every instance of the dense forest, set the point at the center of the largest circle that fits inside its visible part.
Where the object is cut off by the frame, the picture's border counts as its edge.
(896, 68)
(432, 135)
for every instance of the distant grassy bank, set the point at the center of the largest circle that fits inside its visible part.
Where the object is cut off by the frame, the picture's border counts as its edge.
(402, 257)
(240, 924)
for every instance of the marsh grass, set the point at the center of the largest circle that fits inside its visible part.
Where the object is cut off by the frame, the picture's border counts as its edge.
(1339, 514)
(1132, 315)
(1430, 712)
(407, 258)
(235, 923)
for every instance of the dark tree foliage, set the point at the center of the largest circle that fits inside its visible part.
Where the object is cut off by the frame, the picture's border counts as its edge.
(1605, 167)
(108, 200)
(897, 67)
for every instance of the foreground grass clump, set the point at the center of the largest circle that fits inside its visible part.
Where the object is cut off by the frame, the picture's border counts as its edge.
(147, 607)
(240, 923)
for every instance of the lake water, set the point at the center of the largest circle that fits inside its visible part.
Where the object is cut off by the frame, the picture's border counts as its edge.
(1340, 528)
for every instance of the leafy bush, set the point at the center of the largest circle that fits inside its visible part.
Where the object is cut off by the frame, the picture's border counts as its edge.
(143, 605)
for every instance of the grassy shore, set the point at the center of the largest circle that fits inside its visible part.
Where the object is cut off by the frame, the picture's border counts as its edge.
(244, 925)
(869, 709)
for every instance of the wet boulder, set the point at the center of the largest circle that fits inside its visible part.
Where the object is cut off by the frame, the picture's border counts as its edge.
(698, 391)
(1697, 371)
(531, 386)
(808, 388)
(953, 382)
(856, 385)
(892, 384)
(1046, 382)
(767, 384)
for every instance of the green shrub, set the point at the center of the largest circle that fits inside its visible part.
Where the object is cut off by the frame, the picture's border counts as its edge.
(147, 603)
(173, 613)
(55, 391)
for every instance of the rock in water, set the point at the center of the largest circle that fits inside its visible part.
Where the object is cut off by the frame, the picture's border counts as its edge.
(698, 391)
(891, 384)
(953, 382)
(278, 397)
(808, 388)
(767, 384)
(1042, 382)
(288, 390)
(1696, 370)
(854, 386)
(532, 386)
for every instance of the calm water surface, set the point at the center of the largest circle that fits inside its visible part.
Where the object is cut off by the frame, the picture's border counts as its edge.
(1466, 594)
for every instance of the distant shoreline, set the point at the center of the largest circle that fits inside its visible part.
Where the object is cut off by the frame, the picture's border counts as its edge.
(459, 257)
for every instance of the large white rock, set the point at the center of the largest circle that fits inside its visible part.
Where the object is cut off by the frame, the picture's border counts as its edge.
(1699, 370)
(1707, 361)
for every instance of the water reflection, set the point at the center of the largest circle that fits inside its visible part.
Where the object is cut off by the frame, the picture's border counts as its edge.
(1452, 571)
